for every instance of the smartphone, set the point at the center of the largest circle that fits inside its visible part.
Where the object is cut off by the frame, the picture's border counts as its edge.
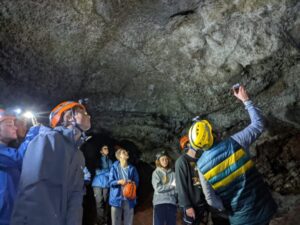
(235, 87)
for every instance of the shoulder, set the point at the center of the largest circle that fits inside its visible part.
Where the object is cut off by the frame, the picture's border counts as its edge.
(115, 165)
(48, 132)
(132, 167)
(156, 172)
(181, 160)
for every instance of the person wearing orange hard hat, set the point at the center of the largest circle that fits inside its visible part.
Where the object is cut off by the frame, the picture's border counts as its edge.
(10, 163)
(184, 143)
(52, 180)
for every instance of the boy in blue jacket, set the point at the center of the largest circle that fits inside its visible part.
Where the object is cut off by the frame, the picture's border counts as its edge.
(101, 186)
(121, 173)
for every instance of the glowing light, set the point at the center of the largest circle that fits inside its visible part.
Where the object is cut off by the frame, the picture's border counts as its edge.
(18, 111)
(29, 115)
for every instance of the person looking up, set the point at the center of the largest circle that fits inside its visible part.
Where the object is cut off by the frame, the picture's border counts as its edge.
(100, 186)
(52, 179)
(229, 178)
(120, 174)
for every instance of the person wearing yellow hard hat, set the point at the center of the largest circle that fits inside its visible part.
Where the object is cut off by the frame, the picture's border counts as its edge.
(228, 176)
(52, 180)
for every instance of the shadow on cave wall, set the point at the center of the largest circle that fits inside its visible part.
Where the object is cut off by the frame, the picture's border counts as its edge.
(91, 152)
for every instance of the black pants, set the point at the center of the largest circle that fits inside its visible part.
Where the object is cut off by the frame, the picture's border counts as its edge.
(165, 214)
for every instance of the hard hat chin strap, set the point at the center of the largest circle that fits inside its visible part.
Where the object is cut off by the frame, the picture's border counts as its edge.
(83, 135)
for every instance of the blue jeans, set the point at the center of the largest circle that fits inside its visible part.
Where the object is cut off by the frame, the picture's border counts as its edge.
(164, 214)
(116, 214)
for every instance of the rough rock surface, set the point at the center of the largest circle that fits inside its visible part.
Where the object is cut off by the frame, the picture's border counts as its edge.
(149, 66)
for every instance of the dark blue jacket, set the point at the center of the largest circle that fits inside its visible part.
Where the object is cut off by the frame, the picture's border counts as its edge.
(10, 170)
(51, 186)
(232, 174)
(115, 194)
(102, 174)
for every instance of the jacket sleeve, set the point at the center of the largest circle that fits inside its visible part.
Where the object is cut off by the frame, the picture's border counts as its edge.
(248, 135)
(32, 133)
(158, 186)
(10, 158)
(136, 176)
(181, 184)
(211, 197)
(113, 177)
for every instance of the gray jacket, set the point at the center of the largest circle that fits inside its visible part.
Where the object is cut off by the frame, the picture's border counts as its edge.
(51, 187)
(164, 192)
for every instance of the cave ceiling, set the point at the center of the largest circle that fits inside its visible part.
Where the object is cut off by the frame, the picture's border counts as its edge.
(149, 66)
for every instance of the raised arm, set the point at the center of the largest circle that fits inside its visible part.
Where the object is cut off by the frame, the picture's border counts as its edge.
(248, 135)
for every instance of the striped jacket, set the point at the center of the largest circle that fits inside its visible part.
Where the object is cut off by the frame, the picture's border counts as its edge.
(232, 174)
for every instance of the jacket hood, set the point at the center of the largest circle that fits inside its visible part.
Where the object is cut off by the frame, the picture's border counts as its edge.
(66, 132)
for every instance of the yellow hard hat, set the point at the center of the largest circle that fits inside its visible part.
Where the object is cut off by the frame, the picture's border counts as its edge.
(200, 135)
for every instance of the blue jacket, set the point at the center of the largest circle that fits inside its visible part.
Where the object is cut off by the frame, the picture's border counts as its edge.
(102, 174)
(51, 186)
(10, 170)
(232, 174)
(115, 194)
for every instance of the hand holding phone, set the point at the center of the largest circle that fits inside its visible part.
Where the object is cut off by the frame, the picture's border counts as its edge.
(240, 92)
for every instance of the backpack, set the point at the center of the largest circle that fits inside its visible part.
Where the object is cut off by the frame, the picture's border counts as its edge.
(129, 190)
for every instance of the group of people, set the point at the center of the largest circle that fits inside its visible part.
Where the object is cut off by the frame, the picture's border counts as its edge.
(42, 181)
(109, 188)
(222, 180)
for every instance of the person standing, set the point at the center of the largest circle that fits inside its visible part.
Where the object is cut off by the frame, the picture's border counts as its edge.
(165, 197)
(100, 186)
(52, 180)
(10, 163)
(190, 196)
(120, 174)
(228, 175)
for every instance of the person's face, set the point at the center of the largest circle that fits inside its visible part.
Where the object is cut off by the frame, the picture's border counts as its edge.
(164, 161)
(124, 154)
(83, 119)
(104, 150)
(21, 125)
(8, 131)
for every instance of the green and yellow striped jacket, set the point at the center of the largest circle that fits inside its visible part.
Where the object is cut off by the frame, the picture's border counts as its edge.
(232, 174)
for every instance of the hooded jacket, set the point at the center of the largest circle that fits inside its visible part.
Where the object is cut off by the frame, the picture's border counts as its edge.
(102, 174)
(51, 185)
(115, 194)
(164, 192)
(10, 170)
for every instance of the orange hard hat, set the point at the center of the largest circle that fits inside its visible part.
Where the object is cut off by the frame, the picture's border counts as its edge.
(4, 115)
(183, 141)
(57, 113)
